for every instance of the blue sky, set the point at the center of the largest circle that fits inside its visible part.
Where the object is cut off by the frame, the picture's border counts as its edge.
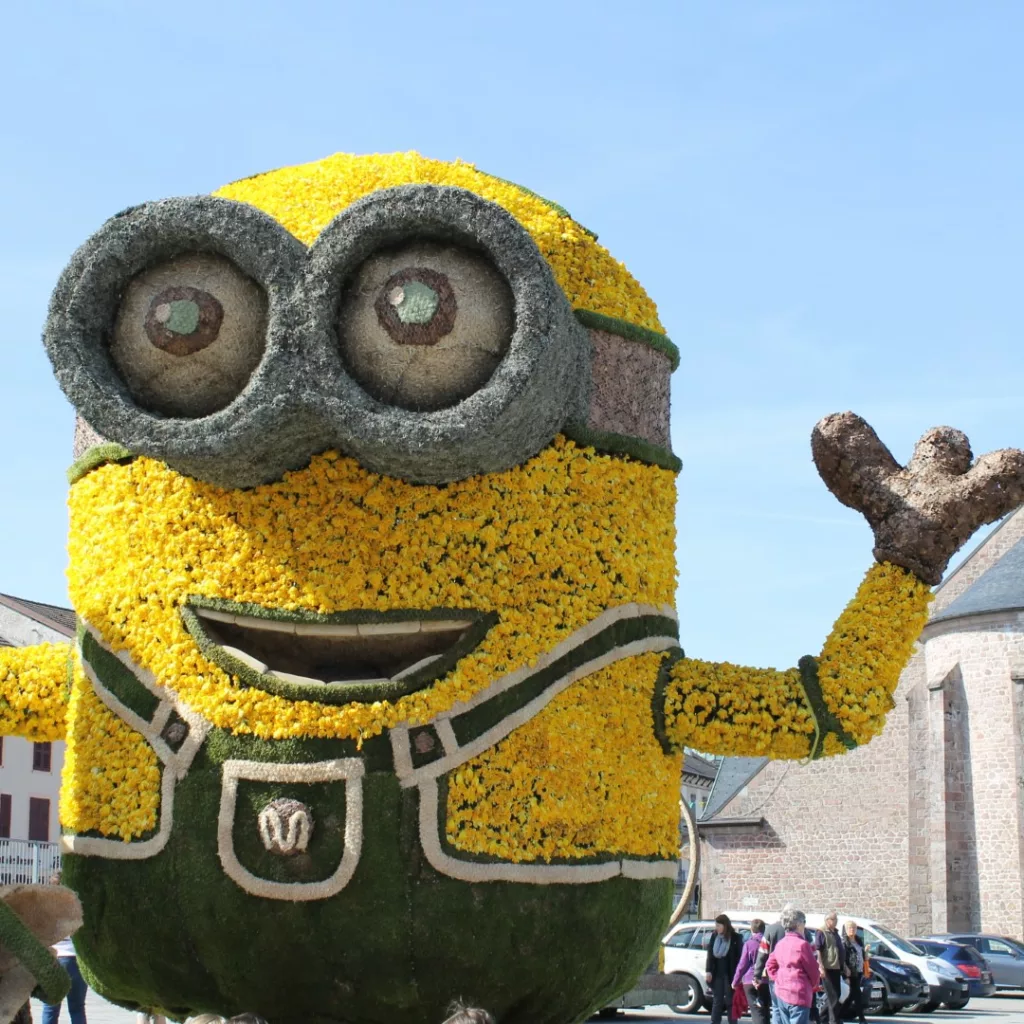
(824, 199)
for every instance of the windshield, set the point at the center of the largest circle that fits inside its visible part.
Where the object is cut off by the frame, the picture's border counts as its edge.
(896, 942)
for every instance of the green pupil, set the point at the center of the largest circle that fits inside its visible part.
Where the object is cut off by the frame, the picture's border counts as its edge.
(184, 317)
(419, 303)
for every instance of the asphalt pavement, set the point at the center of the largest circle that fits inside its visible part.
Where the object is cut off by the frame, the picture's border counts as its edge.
(1002, 1009)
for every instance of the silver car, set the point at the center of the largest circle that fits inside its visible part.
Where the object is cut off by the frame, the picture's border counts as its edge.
(1005, 956)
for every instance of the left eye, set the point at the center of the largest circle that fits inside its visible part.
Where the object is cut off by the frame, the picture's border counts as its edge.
(425, 325)
(188, 334)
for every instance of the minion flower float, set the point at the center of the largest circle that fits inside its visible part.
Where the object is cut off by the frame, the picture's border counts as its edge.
(377, 697)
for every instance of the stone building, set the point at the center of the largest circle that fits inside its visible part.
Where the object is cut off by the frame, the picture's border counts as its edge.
(923, 828)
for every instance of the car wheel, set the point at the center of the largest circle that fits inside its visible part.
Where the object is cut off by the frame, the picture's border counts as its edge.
(693, 996)
(923, 1007)
(958, 1005)
(887, 1009)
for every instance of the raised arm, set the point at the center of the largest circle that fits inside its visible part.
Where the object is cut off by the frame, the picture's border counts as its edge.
(34, 691)
(920, 514)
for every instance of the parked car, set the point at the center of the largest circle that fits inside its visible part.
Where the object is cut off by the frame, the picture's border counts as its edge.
(1004, 956)
(968, 961)
(686, 953)
(903, 984)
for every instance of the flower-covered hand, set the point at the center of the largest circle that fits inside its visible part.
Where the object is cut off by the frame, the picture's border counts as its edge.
(923, 512)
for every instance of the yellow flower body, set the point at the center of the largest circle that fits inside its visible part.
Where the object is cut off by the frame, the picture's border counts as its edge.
(548, 546)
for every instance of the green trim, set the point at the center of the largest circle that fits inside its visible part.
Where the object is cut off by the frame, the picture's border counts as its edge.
(17, 938)
(668, 662)
(473, 723)
(557, 207)
(117, 678)
(362, 693)
(824, 721)
(96, 456)
(623, 444)
(631, 332)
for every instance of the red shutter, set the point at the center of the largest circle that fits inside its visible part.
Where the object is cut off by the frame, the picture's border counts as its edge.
(5, 815)
(39, 819)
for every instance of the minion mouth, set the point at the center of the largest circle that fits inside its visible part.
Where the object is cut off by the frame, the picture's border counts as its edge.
(338, 658)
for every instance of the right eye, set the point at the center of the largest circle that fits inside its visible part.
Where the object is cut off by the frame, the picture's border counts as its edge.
(188, 335)
(423, 326)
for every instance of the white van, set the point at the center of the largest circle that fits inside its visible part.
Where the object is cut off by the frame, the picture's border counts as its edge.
(945, 983)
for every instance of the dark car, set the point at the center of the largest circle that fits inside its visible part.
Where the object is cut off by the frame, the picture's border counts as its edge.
(872, 1000)
(872, 994)
(967, 960)
(1005, 957)
(903, 983)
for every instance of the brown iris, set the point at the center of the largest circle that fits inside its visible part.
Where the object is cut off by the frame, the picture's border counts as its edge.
(182, 320)
(416, 306)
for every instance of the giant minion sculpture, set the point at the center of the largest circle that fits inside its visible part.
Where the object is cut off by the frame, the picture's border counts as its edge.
(377, 698)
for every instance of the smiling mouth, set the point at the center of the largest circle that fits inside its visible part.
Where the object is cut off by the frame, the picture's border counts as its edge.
(335, 659)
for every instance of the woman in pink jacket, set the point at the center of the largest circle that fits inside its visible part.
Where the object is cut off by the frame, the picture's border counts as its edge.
(793, 969)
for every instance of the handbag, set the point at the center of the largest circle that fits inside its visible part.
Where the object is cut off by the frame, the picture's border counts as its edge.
(739, 1003)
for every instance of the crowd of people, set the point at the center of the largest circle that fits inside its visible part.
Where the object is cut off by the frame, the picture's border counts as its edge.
(778, 972)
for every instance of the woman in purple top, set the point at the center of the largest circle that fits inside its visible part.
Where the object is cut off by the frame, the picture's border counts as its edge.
(793, 969)
(758, 996)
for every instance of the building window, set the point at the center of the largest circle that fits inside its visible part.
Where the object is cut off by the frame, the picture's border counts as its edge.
(42, 756)
(5, 815)
(39, 819)
(703, 802)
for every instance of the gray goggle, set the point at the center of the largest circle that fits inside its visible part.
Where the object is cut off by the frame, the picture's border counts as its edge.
(318, 348)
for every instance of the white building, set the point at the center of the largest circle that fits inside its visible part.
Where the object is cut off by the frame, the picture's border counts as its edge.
(30, 772)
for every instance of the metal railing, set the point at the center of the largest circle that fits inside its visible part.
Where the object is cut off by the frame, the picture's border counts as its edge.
(24, 862)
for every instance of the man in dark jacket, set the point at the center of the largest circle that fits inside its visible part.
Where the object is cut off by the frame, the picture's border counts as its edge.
(831, 950)
(769, 940)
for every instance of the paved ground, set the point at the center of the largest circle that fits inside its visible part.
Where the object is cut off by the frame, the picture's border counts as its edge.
(1000, 1010)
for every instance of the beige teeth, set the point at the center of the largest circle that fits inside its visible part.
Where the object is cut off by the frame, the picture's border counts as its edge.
(291, 677)
(326, 629)
(422, 663)
(245, 659)
(436, 625)
(388, 628)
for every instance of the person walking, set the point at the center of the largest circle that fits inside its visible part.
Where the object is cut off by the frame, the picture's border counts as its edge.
(855, 969)
(828, 944)
(773, 933)
(724, 950)
(758, 997)
(66, 956)
(793, 969)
